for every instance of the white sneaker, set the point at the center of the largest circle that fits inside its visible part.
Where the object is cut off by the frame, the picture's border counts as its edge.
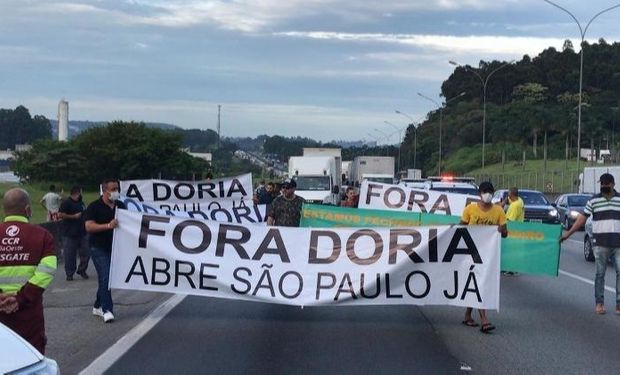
(108, 317)
(97, 311)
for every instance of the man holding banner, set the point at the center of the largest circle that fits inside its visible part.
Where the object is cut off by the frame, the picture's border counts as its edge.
(483, 213)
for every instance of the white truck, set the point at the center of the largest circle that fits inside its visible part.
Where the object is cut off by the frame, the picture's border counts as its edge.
(372, 168)
(322, 151)
(588, 180)
(318, 178)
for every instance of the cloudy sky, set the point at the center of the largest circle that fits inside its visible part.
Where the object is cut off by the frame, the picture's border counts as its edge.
(326, 69)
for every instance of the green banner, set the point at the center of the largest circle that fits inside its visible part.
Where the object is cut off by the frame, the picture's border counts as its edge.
(530, 248)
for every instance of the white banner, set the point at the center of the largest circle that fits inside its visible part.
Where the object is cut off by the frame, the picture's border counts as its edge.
(166, 190)
(375, 195)
(443, 265)
(224, 210)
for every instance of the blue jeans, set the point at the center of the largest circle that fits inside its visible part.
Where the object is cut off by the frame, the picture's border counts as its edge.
(101, 259)
(74, 246)
(601, 254)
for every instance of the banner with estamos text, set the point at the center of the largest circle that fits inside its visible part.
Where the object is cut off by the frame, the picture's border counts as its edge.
(530, 248)
(441, 265)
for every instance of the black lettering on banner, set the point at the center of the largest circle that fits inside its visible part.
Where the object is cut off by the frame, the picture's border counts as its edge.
(314, 243)
(146, 208)
(401, 197)
(236, 187)
(225, 212)
(363, 286)
(204, 276)
(409, 289)
(272, 235)
(441, 204)
(470, 249)
(236, 243)
(214, 204)
(221, 185)
(242, 280)
(456, 287)
(265, 282)
(419, 201)
(132, 203)
(376, 237)
(178, 190)
(134, 192)
(188, 274)
(388, 291)
(243, 212)
(206, 188)
(165, 207)
(320, 285)
(193, 214)
(300, 285)
(416, 239)
(257, 212)
(141, 272)
(471, 277)
(370, 192)
(432, 245)
(145, 229)
(158, 195)
(177, 234)
(162, 271)
(341, 289)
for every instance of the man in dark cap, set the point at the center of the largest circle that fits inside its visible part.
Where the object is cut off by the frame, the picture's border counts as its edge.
(285, 210)
(605, 211)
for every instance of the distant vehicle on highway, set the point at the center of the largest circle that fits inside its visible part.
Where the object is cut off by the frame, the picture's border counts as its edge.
(569, 207)
(18, 357)
(449, 184)
(537, 208)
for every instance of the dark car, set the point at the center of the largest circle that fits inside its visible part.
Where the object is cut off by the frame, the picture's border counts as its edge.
(537, 208)
(569, 207)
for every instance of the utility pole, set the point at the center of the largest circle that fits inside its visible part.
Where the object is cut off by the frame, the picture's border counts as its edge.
(219, 108)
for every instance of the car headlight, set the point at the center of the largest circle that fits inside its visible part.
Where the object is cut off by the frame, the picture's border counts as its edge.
(574, 214)
(553, 212)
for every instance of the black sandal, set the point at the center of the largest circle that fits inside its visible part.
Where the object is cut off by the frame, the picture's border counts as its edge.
(487, 327)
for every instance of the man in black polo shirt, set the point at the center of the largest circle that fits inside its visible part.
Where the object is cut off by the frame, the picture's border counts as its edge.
(74, 233)
(100, 222)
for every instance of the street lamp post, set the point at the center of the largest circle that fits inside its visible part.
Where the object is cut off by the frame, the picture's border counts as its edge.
(440, 106)
(582, 33)
(415, 124)
(386, 136)
(484, 83)
(400, 141)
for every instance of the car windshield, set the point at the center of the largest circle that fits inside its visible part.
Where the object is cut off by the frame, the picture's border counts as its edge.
(458, 190)
(578, 200)
(312, 183)
(533, 198)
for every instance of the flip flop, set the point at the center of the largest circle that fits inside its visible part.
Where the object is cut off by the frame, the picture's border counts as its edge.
(470, 323)
(487, 327)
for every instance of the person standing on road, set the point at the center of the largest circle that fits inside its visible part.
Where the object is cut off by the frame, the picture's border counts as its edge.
(285, 210)
(27, 268)
(483, 213)
(51, 202)
(605, 211)
(266, 196)
(100, 223)
(516, 210)
(74, 234)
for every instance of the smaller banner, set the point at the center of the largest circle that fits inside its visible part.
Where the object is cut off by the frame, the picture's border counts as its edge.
(375, 195)
(224, 210)
(188, 191)
(530, 248)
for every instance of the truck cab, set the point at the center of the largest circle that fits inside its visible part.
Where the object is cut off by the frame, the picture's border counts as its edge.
(318, 178)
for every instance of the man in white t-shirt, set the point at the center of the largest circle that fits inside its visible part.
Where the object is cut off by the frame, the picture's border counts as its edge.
(51, 202)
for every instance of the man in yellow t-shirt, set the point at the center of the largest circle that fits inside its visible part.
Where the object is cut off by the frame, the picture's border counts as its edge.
(516, 210)
(483, 213)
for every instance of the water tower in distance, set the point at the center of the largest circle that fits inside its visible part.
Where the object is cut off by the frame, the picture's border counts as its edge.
(63, 120)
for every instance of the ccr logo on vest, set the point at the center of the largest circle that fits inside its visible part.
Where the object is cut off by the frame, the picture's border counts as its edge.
(12, 231)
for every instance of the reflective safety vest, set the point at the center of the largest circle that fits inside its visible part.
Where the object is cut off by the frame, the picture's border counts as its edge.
(27, 258)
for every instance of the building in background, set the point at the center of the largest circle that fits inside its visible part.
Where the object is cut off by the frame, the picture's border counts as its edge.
(63, 120)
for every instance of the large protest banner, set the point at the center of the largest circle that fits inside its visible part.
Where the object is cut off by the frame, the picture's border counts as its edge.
(224, 210)
(443, 265)
(530, 248)
(188, 191)
(375, 195)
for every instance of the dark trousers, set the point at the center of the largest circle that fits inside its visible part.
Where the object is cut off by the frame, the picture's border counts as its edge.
(101, 260)
(74, 246)
(29, 324)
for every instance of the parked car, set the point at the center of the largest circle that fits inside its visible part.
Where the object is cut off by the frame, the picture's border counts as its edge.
(18, 357)
(537, 208)
(569, 207)
(449, 184)
(588, 243)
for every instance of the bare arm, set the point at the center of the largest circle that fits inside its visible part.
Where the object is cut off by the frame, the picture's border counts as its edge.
(93, 227)
(581, 220)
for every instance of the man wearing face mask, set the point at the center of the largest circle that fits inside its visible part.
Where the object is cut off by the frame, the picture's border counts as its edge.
(100, 223)
(483, 213)
(606, 229)
(27, 266)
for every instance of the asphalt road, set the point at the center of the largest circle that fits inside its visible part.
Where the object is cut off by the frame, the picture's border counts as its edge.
(546, 325)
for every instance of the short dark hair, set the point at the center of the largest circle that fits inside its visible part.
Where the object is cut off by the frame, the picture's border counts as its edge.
(75, 189)
(486, 187)
(106, 181)
(606, 178)
(52, 187)
(514, 190)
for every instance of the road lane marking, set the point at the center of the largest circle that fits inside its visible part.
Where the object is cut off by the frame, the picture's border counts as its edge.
(587, 281)
(116, 351)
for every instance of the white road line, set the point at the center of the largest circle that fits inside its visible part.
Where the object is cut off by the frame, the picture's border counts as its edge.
(114, 352)
(587, 281)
